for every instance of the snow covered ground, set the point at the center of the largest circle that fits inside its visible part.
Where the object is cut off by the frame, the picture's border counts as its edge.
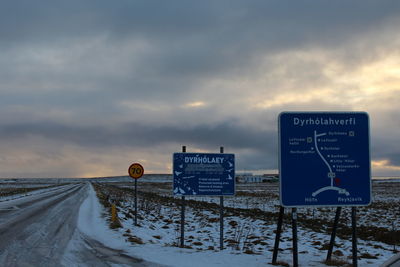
(249, 239)
(91, 222)
(250, 222)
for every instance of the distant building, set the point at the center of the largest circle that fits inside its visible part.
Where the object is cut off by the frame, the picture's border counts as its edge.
(250, 178)
(271, 176)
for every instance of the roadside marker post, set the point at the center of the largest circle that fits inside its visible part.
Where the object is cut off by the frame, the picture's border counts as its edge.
(113, 213)
(324, 161)
(136, 171)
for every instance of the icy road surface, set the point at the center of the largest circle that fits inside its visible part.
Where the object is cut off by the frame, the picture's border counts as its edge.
(42, 230)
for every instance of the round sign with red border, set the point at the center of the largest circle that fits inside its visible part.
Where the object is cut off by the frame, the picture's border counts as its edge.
(136, 171)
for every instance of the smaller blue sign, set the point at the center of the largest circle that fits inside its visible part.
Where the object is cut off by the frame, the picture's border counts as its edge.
(204, 174)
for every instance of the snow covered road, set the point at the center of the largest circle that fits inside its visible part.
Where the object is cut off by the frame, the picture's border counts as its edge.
(43, 230)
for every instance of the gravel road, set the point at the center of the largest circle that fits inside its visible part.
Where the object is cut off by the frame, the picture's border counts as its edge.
(35, 230)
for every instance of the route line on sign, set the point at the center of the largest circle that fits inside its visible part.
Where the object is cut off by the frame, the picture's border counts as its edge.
(319, 153)
(331, 174)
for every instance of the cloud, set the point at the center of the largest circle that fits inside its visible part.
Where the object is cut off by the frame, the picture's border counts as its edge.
(195, 104)
(229, 133)
(99, 76)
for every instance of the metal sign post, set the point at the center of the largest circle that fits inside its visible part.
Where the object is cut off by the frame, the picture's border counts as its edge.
(183, 213)
(136, 207)
(278, 234)
(136, 171)
(333, 235)
(354, 235)
(221, 215)
(294, 239)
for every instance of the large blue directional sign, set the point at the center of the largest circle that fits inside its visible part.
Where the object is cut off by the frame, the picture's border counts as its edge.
(324, 159)
(205, 174)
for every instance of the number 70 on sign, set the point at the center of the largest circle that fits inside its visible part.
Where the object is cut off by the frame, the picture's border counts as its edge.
(136, 171)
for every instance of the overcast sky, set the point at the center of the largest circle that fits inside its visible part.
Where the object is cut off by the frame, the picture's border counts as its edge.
(88, 87)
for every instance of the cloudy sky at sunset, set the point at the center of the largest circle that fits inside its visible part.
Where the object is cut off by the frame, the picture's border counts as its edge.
(88, 87)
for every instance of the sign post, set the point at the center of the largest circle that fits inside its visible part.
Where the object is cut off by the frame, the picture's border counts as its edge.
(324, 161)
(278, 235)
(294, 239)
(136, 171)
(354, 235)
(221, 215)
(333, 235)
(183, 213)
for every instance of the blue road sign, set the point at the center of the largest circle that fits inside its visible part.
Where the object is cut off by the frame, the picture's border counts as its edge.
(324, 159)
(204, 174)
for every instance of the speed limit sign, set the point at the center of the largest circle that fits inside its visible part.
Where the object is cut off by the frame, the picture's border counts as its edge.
(136, 171)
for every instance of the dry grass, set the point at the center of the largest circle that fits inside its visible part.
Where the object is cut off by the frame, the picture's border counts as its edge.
(337, 262)
(152, 201)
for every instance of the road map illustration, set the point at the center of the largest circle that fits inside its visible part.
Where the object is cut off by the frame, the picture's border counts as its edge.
(324, 159)
(330, 174)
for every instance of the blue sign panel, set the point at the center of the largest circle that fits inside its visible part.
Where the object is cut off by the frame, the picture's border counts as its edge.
(324, 159)
(204, 174)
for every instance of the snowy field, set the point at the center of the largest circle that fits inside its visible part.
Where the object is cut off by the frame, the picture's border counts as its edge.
(249, 225)
(250, 222)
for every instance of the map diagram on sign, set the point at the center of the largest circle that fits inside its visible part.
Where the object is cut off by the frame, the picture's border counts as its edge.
(324, 159)
(331, 175)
